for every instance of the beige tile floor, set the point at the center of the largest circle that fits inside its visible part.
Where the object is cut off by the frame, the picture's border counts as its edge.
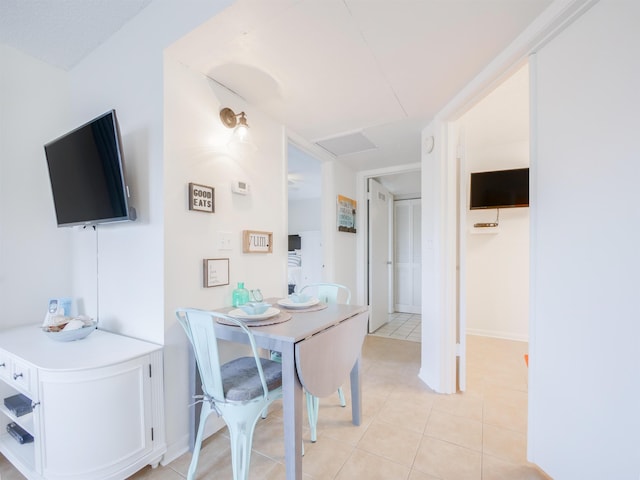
(403, 326)
(408, 432)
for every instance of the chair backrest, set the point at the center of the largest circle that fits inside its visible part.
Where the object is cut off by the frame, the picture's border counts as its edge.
(199, 325)
(329, 292)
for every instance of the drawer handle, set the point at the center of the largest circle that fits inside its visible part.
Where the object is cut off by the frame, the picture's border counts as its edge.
(3, 364)
(17, 375)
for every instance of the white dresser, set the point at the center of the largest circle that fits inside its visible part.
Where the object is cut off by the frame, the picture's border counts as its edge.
(98, 404)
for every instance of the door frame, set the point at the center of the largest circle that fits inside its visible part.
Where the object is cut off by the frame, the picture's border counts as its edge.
(439, 347)
(389, 289)
(362, 179)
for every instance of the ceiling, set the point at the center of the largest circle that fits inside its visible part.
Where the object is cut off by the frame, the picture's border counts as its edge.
(364, 74)
(372, 70)
(62, 32)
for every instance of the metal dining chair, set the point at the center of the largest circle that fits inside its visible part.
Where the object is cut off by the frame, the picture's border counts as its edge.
(238, 390)
(327, 293)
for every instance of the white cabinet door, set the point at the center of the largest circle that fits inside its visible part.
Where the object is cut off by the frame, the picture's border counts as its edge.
(91, 417)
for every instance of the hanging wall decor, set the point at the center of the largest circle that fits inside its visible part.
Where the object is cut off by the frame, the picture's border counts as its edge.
(216, 272)
(257, 242)
(201, 198)
(346, 215)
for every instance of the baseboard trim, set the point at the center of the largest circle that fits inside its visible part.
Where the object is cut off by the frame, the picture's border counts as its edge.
(496, 334)
(175, 450)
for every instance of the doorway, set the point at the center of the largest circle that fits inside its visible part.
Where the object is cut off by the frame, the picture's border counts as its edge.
(493, 260)
(304, 189)
(380, 291)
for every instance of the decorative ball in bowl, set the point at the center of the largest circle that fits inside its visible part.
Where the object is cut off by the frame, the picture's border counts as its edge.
(74, 329)
(299, 297)
(255, 308)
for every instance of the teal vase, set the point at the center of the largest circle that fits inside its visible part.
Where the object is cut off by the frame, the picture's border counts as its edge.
(240, 295)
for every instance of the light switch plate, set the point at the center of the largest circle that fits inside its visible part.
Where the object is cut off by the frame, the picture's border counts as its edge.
(224, 240)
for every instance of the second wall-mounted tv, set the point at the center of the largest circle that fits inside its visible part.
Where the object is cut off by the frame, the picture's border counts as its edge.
(295, 242)
(87, 175)
(499, 189)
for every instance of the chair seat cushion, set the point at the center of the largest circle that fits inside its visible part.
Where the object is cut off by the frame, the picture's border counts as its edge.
(241, 381)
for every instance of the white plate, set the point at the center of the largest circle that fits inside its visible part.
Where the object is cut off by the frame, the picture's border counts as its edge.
(239, 313)
(288, 303)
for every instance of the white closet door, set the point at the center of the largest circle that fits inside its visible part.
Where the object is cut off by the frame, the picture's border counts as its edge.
(380, 260)
(407, 274)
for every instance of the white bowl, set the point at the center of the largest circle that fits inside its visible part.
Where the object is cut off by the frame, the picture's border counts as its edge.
(71, 335)
(299, 297)
(255, 308)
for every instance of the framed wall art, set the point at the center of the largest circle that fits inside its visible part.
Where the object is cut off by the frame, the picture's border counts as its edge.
(216, 272)
(346, 214)
(201, 198)
(257, 242)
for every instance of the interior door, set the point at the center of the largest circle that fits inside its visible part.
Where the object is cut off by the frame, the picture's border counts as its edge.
(380, 201)
(407, 255)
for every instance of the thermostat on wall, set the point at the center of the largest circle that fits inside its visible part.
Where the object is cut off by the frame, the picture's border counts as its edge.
(240, 187)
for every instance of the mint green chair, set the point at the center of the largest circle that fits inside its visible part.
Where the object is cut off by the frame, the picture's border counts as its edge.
(238, 391)
(327, 293)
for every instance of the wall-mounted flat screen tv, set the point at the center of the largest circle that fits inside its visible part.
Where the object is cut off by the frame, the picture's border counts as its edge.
(499, 189)
(295, 242)
(87, 175)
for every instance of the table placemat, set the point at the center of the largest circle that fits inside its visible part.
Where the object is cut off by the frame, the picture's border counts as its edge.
(279, 318)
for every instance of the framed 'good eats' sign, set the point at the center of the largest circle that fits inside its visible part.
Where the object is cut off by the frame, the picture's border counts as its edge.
(201, 198)
(257, 242)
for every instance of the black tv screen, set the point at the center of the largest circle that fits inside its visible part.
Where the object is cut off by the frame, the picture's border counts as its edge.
(87, 174)
(499, 189)
(295, 242)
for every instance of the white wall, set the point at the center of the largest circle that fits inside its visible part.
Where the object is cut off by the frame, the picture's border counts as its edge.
(496, 137)
(436, 367)
(126, 73)
(339, 248)
(305, 214)
(196, 151)
(35, 260)
(584, 388)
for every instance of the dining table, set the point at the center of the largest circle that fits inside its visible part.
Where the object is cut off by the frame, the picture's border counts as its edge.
(320, 348)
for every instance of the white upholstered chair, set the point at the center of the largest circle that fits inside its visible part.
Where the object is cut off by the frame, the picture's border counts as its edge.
(238, 390)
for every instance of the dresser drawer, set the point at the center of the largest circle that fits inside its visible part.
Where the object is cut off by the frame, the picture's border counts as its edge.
(5, 365)
(22, 376)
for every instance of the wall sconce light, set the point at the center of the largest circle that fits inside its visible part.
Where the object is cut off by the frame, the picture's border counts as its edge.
(240, 138)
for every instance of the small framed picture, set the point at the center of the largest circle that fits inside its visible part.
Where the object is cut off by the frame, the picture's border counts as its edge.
(201, 198)
(346, 215)
(257, 242)
(216, 272)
